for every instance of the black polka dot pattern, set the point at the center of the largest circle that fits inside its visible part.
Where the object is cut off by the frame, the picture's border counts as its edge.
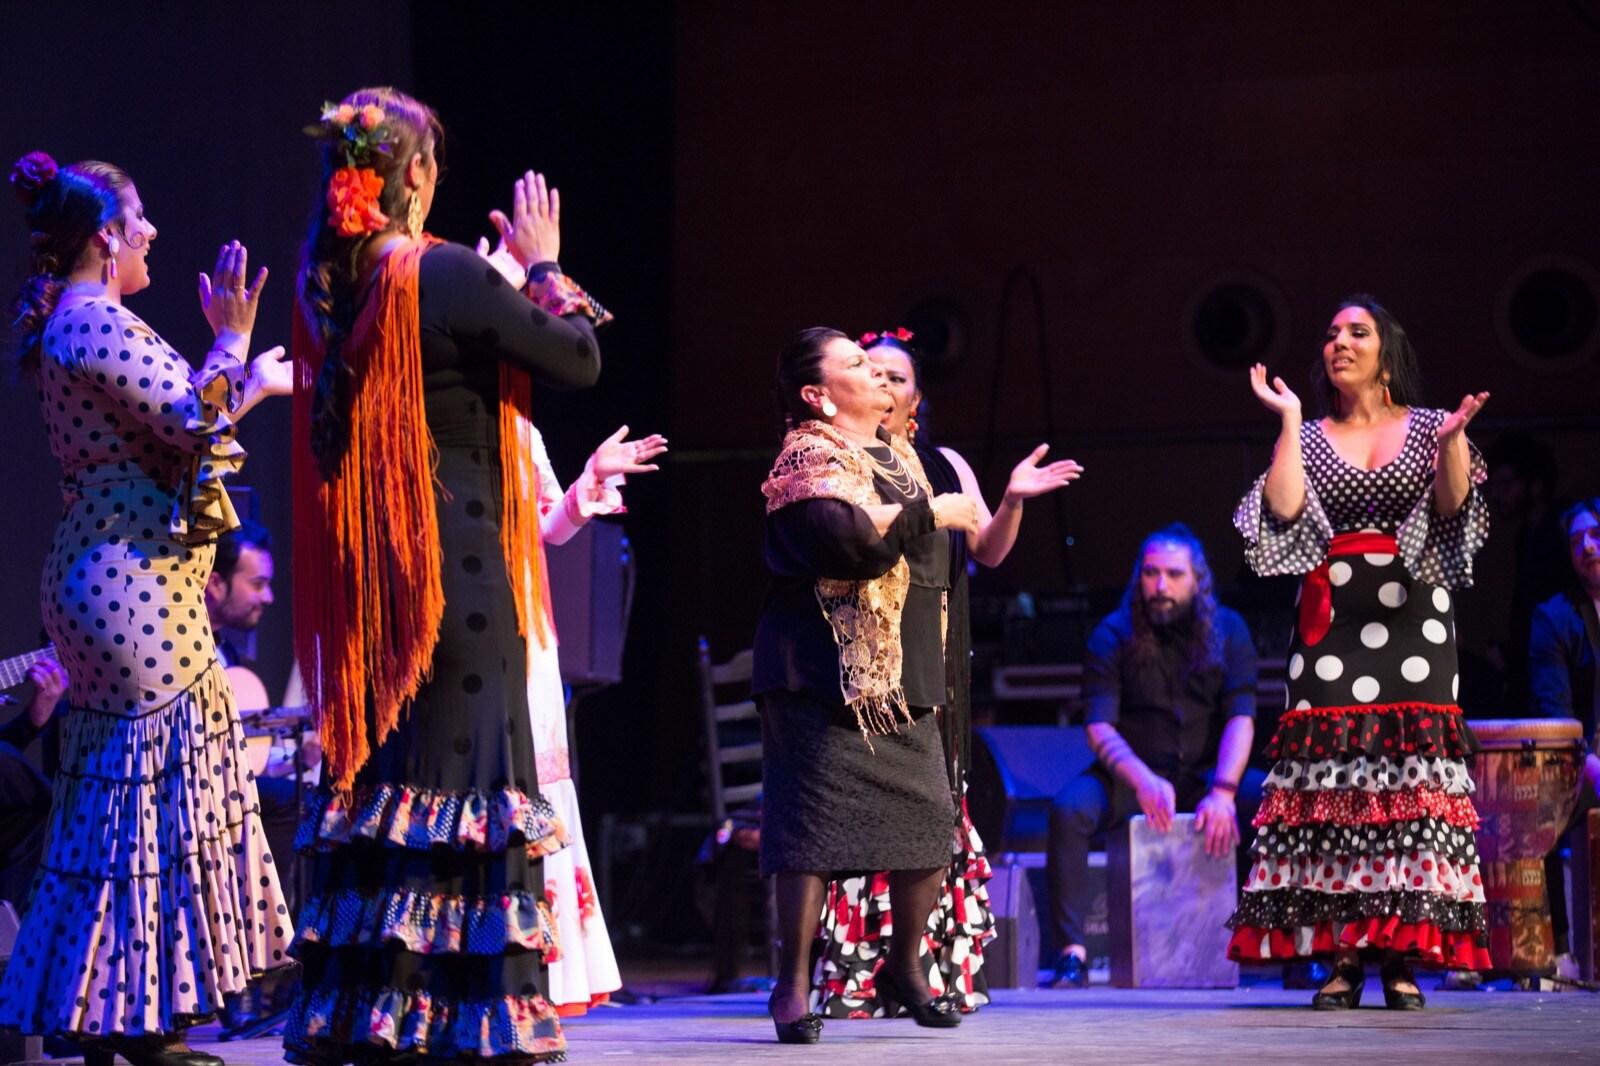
(157, 895)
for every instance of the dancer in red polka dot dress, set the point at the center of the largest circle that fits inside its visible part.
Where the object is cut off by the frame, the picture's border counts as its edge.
(1365, 838)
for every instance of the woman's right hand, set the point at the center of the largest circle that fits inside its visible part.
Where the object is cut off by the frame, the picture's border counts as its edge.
(229, 307)
(1277, 397)
(533, 232)
(955, 510)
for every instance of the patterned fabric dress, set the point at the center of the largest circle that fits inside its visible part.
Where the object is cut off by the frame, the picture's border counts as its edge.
(157, 896)
(1365, 836)
(586, 973)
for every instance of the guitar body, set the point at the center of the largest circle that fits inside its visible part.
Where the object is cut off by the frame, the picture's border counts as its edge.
(249, 694)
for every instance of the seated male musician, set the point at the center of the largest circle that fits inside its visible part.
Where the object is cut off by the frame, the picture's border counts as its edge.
(1170, 684)
(1563, 648)
(24, 792)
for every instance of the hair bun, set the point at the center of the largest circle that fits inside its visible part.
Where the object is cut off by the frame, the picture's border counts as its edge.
(30, 174)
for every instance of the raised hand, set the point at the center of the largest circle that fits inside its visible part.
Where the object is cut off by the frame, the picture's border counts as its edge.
(1457, 420)
(1276, 397)
(955, 510)
(230, 307)
(618, 455)
(502, 260)
(271, 373)
(533, 232)
(1029, 479)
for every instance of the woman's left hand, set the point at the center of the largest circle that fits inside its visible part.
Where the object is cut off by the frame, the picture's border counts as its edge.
(502, 260)
(618, 455)
(533, 232)
(271, 373)
(1029, 479)
(1458, 419)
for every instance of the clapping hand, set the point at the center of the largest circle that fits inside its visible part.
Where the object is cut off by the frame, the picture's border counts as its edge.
(618, 455)
(533, 232)
(230, 307)
(1457, 420)
(502, 260)
(955, 510)
(271, 373)
(1029, 479)
(1277, 397)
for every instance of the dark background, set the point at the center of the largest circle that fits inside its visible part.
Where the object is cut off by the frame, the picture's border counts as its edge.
(1092, 196)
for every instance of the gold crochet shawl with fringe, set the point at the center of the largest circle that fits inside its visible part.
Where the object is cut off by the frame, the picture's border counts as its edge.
(819, 462)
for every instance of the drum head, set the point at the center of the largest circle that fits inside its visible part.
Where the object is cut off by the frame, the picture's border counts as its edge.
(1515, 733)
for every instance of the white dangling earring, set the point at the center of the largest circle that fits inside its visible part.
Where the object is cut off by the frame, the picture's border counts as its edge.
(113, 246)
(828, 410)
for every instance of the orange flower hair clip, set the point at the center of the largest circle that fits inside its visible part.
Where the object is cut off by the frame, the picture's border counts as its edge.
(353, 194)
(355, 188)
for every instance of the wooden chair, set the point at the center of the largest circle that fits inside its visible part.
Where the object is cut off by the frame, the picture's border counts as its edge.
(733, 743)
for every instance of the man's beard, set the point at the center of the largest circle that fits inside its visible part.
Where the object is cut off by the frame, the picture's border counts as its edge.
(1165, 611)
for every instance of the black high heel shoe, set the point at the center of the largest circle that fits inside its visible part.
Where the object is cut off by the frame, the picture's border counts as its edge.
(1393, 973)
(937, 1013)
(1354, 977)
(144, 1051)
(806, 1029)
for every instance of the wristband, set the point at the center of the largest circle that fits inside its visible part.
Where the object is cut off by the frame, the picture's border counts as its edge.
(1230, 787)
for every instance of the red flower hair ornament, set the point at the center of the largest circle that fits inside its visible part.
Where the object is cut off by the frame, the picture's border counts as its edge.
(900, 334)
(30, 174)
(353, 194)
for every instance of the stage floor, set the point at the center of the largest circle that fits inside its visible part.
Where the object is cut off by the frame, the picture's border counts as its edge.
(1258, 1024)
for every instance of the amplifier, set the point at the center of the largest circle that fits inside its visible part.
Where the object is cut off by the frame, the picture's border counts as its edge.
(591, 586)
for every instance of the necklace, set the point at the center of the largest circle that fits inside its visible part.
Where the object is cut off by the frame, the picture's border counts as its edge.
(895, 472)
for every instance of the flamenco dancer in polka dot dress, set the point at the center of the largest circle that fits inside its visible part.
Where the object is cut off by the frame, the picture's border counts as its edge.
(1365, 838)
(157, 896)
(427, 935)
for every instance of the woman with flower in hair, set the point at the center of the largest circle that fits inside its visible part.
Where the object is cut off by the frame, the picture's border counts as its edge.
(859, 909)
(852, 772)
(157, 896)
(1364, 841)
(417, 574)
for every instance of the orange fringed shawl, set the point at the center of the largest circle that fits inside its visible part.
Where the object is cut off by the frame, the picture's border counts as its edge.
(368, 597)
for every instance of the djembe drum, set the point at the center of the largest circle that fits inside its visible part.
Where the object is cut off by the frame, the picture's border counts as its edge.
(1527, 788)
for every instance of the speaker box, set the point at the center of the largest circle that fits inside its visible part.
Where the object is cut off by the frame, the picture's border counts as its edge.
(591, 584)
(1015, 774)
(1011, 959)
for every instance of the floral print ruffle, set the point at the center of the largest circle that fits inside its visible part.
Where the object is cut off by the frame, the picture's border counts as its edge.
(406, 817)
(332, 1020)
(432, 924)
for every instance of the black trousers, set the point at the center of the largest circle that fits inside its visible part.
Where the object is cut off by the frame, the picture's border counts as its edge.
(24, 822)
(1094, 803)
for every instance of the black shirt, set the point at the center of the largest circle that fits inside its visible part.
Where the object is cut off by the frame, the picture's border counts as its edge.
(1170, 715)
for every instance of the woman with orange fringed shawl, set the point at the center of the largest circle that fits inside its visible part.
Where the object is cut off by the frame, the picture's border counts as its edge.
(417, 574)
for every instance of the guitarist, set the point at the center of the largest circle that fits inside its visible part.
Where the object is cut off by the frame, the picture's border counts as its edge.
(24, 792)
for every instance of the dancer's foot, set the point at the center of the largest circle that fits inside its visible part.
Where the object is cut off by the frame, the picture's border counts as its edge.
(794, 1025)
(912, 991)
(1072, 969)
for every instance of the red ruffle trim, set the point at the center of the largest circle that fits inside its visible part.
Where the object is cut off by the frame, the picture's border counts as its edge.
(1354, 807)
(1389, 730)
(1423, 941)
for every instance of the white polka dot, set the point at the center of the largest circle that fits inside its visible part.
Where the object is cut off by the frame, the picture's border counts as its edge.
(1364, 689)
(1303, 705)
(1441, 600)
(1297, 665)
(1340, 572)
(1379, 559)
(1414, 669)
(1392, 594)
(1374, 634)
(1329, 668)
(1455, 687)
(1434, 630)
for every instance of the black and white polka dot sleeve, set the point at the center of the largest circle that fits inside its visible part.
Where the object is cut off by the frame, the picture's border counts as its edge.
(1273, 546)
(1436, 549)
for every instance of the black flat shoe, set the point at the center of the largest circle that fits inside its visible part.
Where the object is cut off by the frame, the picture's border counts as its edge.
(1394, 973)
(144, 1052)
(806, 1029)
(939, 1012)
(1354, 977)
(1071, 969)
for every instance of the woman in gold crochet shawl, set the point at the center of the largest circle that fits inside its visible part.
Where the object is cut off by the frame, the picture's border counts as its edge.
(849, 667)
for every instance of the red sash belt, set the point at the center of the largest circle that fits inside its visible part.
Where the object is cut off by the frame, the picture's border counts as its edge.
(1316, 592)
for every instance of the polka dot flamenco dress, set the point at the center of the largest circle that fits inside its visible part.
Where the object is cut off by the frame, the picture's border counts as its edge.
(156, 896)
(1365, 836)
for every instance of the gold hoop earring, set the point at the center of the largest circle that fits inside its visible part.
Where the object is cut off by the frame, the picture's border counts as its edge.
(828, 409)
(414, 216)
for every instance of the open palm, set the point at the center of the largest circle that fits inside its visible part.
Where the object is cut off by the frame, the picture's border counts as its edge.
(1029, 479)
